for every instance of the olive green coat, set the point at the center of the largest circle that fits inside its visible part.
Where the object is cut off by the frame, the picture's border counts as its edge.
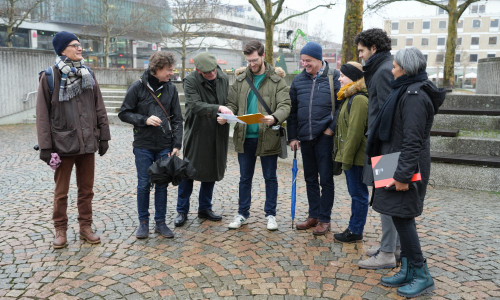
(205, 140)
(350, 139)
(275, 93)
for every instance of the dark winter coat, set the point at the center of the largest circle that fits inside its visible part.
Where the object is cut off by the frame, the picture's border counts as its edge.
(206, 141)
(139, 105)
(275, 92)
(70, 127)
(311, 112)
(410, 131)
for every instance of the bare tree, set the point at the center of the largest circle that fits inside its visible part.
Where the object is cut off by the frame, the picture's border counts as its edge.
(353, 24)
(115, 18)
(192, 22)
(269, 16)
(455, 11)
(14, 13)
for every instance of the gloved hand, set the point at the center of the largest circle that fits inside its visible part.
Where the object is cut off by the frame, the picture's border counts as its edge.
(45, 155)
(103, 147)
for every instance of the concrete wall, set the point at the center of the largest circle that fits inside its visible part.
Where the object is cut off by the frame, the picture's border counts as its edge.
(488, 76)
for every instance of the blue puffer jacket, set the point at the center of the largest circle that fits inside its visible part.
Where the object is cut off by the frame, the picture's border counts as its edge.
(311, 110)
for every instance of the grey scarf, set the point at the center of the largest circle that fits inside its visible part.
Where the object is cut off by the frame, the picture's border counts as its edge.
(75, 78)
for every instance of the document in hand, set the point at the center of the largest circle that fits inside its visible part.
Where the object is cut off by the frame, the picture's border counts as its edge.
(251, 119)
(384, 167)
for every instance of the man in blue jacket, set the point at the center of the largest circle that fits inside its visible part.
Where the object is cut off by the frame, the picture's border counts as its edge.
(310, 128)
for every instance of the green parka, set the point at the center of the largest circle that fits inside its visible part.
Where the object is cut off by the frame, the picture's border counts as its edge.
(205, 140)
(275, 93)
(350, 139)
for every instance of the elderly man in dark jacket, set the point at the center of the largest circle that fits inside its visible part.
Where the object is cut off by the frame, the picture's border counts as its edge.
(71, 121)
(205, 141)
(311, 122)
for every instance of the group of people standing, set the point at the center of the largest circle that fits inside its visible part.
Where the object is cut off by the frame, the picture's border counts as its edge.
(346, 117)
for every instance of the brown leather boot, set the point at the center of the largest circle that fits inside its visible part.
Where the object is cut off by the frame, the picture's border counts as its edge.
(60, 240)
(322, 228)
(87, 234)
(309, 223)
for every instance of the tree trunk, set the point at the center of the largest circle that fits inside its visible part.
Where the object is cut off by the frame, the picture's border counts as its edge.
(183, 59)
(10, 33)
(451, 45)
(269, 43)
(353, 24)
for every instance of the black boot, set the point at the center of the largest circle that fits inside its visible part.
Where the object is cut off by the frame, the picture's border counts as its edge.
(180, 219)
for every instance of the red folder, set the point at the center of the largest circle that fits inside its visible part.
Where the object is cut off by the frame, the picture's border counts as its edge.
(384, 167)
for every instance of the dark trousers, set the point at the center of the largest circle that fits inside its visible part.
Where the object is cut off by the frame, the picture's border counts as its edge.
(317, 160)
(204, 199)
(410, 243)
(85, 183)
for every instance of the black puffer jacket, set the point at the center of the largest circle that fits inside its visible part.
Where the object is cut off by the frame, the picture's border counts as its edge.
(139, 105)
(311, 112)
(410, 131)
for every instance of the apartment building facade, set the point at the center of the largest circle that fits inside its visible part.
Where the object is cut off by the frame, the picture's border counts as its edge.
(478, 37)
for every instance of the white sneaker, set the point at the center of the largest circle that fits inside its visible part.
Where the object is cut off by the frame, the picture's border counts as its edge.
(237, 222)
(271, 223)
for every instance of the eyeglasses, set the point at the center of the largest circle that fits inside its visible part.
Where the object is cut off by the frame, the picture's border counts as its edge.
(253, 61)
(76, 45)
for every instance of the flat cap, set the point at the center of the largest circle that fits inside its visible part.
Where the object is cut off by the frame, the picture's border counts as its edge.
(205, 62)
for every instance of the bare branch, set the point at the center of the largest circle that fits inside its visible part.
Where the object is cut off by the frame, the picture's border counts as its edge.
(304, 12)
(381, 3)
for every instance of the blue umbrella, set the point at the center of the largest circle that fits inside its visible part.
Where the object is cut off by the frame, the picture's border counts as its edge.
(294, 183)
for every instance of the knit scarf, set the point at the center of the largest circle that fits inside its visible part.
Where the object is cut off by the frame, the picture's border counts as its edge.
(75, 78)
(382, 126)
(341, 93)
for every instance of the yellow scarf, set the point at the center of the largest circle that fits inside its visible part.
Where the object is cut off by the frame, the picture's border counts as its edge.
(340, 94)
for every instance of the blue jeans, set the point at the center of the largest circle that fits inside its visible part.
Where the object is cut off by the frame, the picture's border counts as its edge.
(359, 197)
(317, 159)
(143, 159)
(186, 189)
(269, 164)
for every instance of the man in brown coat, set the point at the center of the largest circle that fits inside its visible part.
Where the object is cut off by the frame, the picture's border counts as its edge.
(71, 122)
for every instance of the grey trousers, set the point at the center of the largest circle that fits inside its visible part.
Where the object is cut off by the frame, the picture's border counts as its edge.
(390, 237)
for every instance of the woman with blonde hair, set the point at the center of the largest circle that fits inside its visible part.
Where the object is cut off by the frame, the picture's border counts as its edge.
(350, 144)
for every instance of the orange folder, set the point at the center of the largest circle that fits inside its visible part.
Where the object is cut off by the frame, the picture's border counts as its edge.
(252, 119)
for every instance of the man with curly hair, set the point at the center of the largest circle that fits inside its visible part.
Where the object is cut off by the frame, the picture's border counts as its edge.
(374, 47)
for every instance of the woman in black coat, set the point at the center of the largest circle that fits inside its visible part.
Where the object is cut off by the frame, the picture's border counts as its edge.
(403, 125)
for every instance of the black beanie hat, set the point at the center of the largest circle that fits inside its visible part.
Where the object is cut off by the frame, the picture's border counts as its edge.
(351, 72)
(61, 41)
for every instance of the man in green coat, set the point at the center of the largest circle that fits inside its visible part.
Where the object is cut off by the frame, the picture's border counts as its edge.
(205, 141)
(262, 139)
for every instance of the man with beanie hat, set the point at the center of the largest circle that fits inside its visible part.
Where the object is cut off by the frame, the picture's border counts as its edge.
(71, 121)
(205, 141)
(310, 127)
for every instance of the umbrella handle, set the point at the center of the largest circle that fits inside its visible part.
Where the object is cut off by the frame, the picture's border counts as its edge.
(295, 153)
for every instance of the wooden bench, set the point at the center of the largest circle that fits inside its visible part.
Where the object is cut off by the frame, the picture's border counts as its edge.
(445, 132)
(469, 111)
(466, 159)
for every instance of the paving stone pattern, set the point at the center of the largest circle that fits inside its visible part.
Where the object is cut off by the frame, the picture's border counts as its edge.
(459, 230)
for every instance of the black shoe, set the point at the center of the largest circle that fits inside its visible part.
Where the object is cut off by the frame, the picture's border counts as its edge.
(180, 219)
(162, 229)
(209, 214)
(143, 230)
(347, 236)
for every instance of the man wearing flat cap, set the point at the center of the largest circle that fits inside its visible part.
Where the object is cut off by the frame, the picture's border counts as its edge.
(205, 141)
(71, 122)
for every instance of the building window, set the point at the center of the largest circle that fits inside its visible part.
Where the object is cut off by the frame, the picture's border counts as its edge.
(426, 56)
(473, 58)
(442, 24)
(460, 24)
(441, 41)
(394, 42)
(459, 41)
(457, 58)
(492, 40)
(476, 23)
(482, 8)
(409, 42)
(439, 58)
(426, 25)
(477, 8)
(425, 42)
(410, 25)
(490, 55)
(494, 23)
(395, 26)
(441, 11)
(474, 41)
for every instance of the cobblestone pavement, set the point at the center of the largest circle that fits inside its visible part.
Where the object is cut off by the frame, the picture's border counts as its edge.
(459, 230)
